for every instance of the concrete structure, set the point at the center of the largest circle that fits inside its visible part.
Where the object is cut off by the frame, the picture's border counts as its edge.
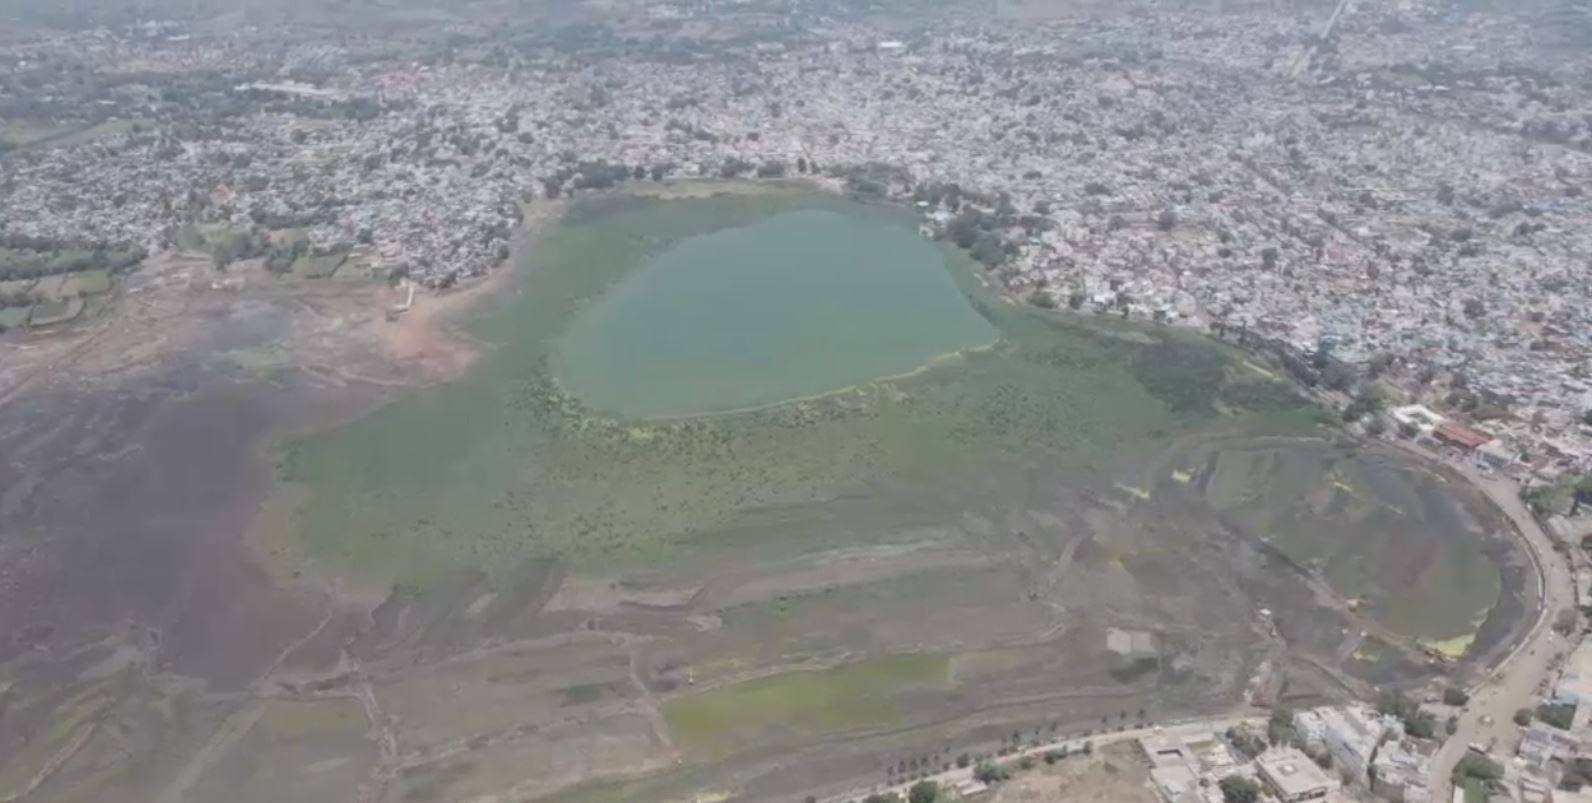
(1176, 784)
(1189, 767)
(1292, 776)
(1575, 684)
(1419, 416)
(1350, 735)
(1402, 771)
(1542, 745)
(1496, 454)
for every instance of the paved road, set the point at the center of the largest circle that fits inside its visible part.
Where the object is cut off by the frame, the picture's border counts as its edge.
(1513, 683)
(954, 776)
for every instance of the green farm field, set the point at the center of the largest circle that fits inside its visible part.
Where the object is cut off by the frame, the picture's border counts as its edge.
(808, 702)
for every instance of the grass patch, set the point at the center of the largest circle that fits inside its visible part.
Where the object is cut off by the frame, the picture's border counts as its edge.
(88, 283)
(13, 317)
(815, 702)
(1392, 538)
(322, 267)
(443, 480)
(54, 312)
(21, 133)
(1475, 790)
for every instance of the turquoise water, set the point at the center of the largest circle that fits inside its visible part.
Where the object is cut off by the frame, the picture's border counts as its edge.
(797, 304)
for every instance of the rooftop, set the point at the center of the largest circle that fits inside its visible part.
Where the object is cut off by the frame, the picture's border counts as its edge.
(1292, 772)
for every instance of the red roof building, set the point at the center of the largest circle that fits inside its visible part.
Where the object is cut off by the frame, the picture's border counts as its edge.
(1459, 435)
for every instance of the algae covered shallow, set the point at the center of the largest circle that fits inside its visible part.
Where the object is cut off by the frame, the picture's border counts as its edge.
(798, 304)
(505, 466)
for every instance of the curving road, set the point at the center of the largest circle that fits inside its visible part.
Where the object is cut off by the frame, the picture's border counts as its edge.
(1513, 683)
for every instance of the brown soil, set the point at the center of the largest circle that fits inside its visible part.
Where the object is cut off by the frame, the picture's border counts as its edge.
(1117, 774)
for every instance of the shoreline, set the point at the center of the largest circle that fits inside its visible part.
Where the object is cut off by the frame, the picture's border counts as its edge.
(934, 361)
(428, 337)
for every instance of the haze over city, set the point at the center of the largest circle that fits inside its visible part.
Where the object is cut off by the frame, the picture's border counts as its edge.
(762, 400)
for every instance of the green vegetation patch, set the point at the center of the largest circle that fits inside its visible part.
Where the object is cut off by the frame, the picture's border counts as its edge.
(505, 465)
(1394, 540)
(318, 267)
(54, 312)
(88, 283)
(817, 702)
(12, 317)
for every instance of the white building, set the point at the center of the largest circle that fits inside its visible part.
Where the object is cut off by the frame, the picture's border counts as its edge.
(1293, 777)
(1350, 734)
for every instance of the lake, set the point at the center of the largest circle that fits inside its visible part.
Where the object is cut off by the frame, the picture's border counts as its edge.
(799, 304)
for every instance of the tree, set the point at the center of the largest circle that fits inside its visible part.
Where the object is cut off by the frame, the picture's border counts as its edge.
(1586, 417)
(923, 792)
(988, 773)
(1474, 308)
(989, 249)
(1455, 696)
(1583, 490)
(1421, 725)
(963, 760)
(1280, 726)
(1379, 365)
(1522, 717)
(1166, 221)
(1338, 375)
(735, 167)
(1480, 767)
(1238, 789)
(1249, 744)
(1559, 715)
(882, 797)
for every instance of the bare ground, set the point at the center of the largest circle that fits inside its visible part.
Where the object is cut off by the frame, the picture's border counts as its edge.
(154, 651)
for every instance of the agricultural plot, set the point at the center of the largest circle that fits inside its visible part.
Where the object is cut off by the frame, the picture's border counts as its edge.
(87, 283)
(311, 751)
(13, 317)
(55, 312)
(321, 267)
(1394, 541)
(1075, 526)
(816, 702)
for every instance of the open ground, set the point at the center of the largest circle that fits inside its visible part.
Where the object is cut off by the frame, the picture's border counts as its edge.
(485, 588)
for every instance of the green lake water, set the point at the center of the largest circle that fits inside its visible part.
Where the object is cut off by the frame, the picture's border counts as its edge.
(564, 439)
(798, 304)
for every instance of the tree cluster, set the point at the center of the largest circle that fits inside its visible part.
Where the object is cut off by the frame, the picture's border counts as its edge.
(1559, 715)
(24, 257)
(1239, 789)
